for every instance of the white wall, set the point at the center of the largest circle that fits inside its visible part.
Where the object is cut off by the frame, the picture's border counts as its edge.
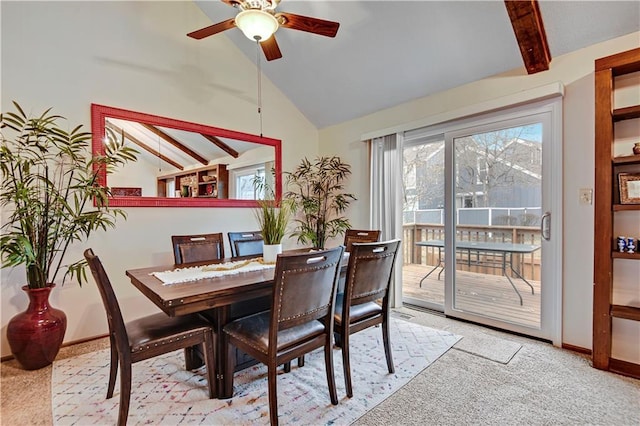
(134, 55)
(575, 71)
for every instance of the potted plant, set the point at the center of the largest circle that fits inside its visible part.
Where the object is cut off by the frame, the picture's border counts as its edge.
(273, 217)
(49, 185)
(316, 190)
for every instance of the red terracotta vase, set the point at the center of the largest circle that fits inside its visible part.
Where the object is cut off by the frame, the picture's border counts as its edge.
(35, 335)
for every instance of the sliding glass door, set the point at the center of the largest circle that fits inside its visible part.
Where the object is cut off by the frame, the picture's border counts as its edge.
(423, 218)
(497, 214)
(477, 217)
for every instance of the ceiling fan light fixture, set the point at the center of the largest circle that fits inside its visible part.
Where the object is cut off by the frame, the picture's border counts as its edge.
(256, 24)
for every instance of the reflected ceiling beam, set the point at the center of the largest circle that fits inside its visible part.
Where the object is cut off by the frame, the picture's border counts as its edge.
(142, 145)
(528, 27)
(176, 143)
(223, 146)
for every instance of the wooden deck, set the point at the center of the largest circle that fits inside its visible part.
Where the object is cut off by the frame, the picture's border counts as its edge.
(488, 295)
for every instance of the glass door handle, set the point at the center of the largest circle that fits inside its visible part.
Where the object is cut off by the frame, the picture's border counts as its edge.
(545, 226)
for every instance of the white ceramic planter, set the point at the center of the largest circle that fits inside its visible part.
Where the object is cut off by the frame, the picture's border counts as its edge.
(270, 252)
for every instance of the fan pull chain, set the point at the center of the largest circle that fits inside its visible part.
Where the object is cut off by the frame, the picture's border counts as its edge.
(259, 84)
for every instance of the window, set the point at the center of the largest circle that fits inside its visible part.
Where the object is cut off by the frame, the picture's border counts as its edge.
(243, 180)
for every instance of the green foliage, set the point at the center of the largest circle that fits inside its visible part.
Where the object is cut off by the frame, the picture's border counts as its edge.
(273, 215)
(316, 191)
(49, 184)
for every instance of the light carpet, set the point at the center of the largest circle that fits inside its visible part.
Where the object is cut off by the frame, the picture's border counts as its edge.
(489, 347)
(164, 393)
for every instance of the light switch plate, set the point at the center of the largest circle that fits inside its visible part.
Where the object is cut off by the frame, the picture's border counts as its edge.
(585, 196)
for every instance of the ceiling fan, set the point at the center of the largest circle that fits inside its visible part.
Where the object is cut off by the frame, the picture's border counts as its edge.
(259, 20)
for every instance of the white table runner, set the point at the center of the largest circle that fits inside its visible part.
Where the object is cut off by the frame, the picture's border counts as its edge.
(181, 275)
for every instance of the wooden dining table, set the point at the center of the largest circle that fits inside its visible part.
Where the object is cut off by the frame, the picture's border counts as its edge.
(220, 300)
(213, 296)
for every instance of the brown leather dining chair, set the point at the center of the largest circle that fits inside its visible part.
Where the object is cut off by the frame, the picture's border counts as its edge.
(300, 319)
(369, 274)
(249, 244)
(360, 236)
(190, 249)
(197, 248)
(245, 243)
(210, 247)
(146, 338)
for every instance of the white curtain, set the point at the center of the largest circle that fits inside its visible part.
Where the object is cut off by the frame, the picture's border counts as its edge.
(386, 199)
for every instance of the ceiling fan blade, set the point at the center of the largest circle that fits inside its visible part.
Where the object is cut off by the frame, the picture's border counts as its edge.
(212, 29)
(271, 49)
(308, 24)
(232, 3)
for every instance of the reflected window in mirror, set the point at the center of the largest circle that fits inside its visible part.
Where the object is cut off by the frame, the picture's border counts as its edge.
(242, 180)
(184, 164)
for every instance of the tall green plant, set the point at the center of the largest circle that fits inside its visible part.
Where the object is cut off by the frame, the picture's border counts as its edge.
(272, 214)
(316, 190)
(49, 184)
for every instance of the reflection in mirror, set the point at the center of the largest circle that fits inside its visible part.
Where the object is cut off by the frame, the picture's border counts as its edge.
(184, 164)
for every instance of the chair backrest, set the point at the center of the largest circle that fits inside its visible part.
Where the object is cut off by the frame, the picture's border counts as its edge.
(197, 248)
(305, 288)
(245, 243)
(360, 236)
(117, 329)
(369, 272)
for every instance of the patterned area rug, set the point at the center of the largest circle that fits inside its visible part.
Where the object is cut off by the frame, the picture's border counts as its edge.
(164, 393)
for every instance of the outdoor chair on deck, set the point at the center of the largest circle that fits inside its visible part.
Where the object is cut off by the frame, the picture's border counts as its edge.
(368, 277)
(197, 248)
(146, 338)
(245, 243)
(360, 236)
(300, 320)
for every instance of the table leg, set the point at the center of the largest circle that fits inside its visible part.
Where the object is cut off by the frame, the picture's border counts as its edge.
(504, 272)
(226, 379)
(434, 268)
(225, 362)
(518, 274)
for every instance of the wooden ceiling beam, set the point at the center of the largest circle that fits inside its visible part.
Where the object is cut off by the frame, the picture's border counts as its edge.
(223, 146)
(142, 145)
(179, 145)
(528, 27)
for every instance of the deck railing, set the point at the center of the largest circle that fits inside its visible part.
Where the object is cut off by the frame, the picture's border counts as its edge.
(528, 265)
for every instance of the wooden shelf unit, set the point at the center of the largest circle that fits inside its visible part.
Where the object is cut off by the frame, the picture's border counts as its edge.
(607, 204)
(194, 180)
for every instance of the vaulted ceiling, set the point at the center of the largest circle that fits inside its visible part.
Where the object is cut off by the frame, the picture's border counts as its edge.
(389, 52)
(180, 149)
